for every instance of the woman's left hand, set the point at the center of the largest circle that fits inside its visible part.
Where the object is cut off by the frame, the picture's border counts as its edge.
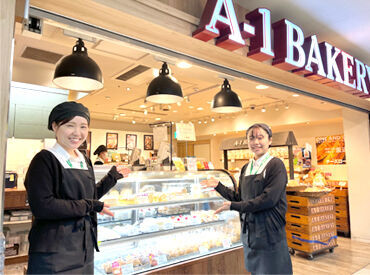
(123, 170)
(106, 211)
(224, 207)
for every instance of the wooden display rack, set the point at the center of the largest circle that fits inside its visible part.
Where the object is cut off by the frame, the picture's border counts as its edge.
(342, 210)
(311, 226)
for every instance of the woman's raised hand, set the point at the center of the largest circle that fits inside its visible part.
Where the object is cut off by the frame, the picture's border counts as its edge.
(106, 211)
(224, 207)
(209, 183)
(123, 170)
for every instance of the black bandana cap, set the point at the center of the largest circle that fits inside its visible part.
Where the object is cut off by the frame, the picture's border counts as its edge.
(66, 110)
(100, 149)
(263, 126)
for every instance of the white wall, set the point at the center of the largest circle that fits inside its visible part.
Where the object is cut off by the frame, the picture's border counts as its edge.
(357, 138)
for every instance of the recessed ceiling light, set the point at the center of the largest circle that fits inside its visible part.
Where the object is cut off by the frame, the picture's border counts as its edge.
(295, 95)
(133, 122)
(261, 87)
(214, 135)
(175, 111)
(287, 107)
(179, 103)
(183, 65)
(128, 89)
(155, 72)
(200, 108)
(157, 118)
(191, 107)
(143, 106)
(200, 122)
(263, 110)
(107, 97)
(205, 122)
(212, 119)
(122, 114)
(276, 108)
(145, 112)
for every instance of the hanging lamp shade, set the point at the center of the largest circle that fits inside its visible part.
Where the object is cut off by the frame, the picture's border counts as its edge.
(163, 89)
(78, 71)
(226, 101)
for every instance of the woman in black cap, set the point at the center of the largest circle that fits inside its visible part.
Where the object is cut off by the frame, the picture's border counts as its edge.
(102, 153)
(64, 198)
(261, 202)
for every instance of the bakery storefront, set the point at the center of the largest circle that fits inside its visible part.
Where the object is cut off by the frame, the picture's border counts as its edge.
(313, 95)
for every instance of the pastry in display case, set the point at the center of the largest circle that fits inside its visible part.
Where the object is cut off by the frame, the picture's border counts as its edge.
(163, 218)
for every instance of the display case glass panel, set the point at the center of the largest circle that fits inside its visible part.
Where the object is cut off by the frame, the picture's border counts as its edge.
(162, 218)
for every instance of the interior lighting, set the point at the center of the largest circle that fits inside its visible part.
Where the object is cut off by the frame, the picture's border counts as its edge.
(212, 119)
(261, 87)
(184, 65)
(163, 88)
(263, 110)
(157, 118)
(200, 108)
(295, 95)
(145, 112)
(133, 122)
(286, 107)
(226, 101)
(77, 71)
(122, 114)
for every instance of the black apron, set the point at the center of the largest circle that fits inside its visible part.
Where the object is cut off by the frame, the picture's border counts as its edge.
(261, 256)
(75, 253)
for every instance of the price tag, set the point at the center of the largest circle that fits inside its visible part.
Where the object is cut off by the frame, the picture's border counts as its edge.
(203, 249)
(127, 268)
(226, 243)
(162, 259)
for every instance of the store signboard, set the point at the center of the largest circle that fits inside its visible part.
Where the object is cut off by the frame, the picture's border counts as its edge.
(330, 150)
(185, 131)
(289, 49)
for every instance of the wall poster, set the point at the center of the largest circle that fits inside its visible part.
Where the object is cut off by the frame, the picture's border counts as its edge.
(330, 150)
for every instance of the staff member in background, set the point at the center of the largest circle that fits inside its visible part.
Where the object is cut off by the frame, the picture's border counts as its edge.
(63, 197)
(102, 153)
(261, 202)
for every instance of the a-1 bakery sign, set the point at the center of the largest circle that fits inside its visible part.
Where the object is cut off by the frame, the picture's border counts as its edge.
(289, 49)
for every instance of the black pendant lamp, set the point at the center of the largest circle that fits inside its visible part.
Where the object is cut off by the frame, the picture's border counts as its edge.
(163, 89)
(78, 71)
(226, 101)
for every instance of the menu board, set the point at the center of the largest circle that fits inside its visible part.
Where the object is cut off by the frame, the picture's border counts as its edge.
(330, 150)
(185, 131)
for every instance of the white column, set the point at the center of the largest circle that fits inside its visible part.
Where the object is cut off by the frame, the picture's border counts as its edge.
(7, 10)
(357, 144)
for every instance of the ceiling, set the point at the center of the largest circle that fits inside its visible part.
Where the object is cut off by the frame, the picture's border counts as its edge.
(125, 100)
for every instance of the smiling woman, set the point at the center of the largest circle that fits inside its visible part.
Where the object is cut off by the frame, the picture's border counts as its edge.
(64, 198)
(261, 203)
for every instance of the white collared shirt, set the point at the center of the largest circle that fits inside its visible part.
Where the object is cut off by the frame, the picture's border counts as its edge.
(256, 166)
(65, 158)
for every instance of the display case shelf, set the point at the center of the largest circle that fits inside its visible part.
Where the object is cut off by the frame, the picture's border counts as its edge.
(167, 203)
(160, 233)
(17, 222)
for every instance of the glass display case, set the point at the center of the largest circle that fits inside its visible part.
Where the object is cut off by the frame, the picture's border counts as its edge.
(163, 218)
